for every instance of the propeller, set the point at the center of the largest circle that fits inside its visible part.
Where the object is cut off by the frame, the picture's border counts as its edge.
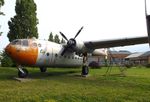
(78, 32)
(71, 43)
(147, 22)
(63, 36)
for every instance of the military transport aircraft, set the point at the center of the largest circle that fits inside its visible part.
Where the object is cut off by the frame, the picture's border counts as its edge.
(41, 53)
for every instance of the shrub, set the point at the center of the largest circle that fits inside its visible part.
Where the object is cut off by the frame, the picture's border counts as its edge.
(147, 65)
(94, 64)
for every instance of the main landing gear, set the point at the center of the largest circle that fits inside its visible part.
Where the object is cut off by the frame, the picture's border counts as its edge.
(22, 72)
(85, 68)
(43, 69)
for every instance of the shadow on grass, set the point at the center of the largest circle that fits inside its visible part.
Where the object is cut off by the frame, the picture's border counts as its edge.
(38, 75)
(10, 73)
(7, 77)
(116, 75)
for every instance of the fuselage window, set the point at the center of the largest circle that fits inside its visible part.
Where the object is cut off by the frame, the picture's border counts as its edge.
(56, 55)
(39, 45)
(47, 54)
(25, 42)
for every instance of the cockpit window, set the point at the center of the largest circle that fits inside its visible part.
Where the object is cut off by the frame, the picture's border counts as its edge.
(16, 42)
(25, 42)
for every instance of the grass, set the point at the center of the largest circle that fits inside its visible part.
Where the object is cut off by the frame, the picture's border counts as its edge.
(66, 85)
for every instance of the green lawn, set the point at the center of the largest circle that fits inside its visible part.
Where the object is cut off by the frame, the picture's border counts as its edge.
(66, 85)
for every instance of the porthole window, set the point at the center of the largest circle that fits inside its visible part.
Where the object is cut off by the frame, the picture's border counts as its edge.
(56, 55)
(39, 45)
(47, 54)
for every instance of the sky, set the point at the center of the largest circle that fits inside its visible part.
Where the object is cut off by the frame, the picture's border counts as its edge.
(102, 19)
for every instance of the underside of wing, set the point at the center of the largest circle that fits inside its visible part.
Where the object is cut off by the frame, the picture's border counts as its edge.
(115, 42)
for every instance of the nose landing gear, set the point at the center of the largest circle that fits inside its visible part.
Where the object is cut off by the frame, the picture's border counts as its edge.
(43, 69)
(85, 68)
(22, 72)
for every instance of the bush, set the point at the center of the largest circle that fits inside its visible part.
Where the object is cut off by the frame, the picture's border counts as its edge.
(147, 65)
(6, 61)
(94, 64)
(128, 65)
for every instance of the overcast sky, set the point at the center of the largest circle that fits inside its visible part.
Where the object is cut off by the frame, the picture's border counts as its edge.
(102, 19)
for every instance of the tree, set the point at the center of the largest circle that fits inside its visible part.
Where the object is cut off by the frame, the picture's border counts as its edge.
(63, 41)
(24, 23)
(51, 37)
(56, 39)
(6, 60)
(1, 3)
(1, 13)
(0, 32)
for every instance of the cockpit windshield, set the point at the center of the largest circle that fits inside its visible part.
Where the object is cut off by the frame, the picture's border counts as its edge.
(25, 42)
(16, 42)
(20, 42)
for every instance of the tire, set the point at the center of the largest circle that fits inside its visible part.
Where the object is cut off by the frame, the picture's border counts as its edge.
(85, 70)
(23, 75)
(43, 69)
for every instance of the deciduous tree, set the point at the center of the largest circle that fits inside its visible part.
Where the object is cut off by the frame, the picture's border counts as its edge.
(1, 13)
(24, 23)
(6, 60)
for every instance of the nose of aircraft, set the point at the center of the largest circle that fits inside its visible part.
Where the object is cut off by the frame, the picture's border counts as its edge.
(22, 54)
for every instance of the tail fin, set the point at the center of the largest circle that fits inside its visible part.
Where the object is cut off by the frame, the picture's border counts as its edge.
(147, 22)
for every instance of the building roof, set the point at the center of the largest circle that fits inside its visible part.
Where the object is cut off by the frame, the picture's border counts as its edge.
(120, 52)
(135, 55)
(139, 54)
(146, 54)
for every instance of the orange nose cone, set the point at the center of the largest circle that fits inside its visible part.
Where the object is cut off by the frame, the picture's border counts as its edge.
(22, 55)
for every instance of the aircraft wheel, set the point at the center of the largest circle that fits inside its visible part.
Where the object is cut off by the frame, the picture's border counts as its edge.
(23, 74)
(85, 70)
(43, 69)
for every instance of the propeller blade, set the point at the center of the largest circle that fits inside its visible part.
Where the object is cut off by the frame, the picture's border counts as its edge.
(63, 36)
(78, 32)
(147, 22)
(63, 52)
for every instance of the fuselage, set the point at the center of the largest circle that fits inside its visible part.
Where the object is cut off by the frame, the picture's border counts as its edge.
(41, 53)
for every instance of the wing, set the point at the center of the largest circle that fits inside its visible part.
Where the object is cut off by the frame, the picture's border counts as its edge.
(115, 42)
